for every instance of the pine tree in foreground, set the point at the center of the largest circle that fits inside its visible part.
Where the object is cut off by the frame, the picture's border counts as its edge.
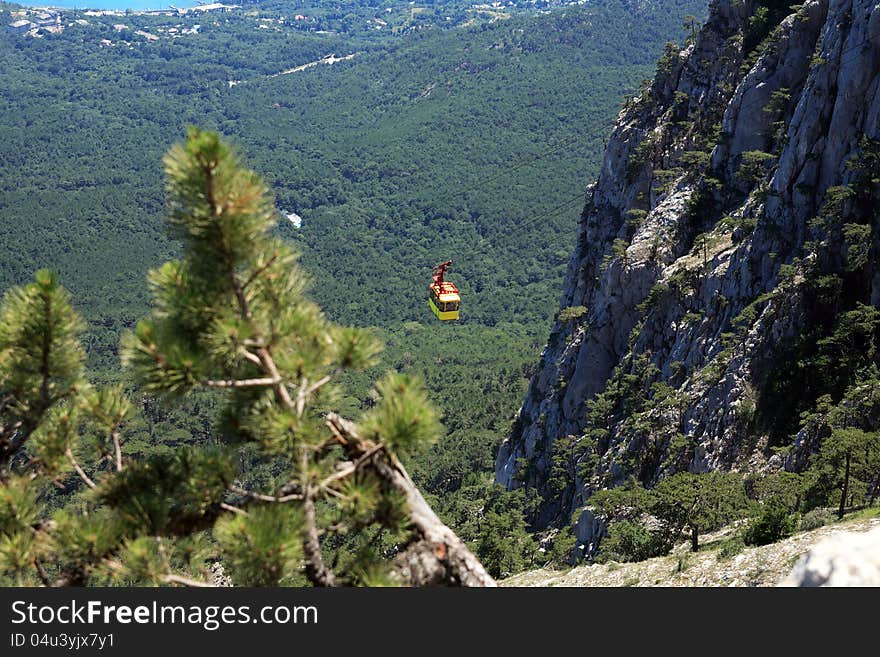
(230, 316)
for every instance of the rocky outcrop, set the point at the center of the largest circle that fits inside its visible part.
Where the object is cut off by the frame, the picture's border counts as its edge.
(845, 559)
(697, 255)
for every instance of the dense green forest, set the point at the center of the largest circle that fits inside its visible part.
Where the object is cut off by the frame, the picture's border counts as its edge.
(468, 139)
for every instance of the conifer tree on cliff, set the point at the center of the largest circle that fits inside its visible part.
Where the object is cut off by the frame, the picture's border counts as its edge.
(230, 316)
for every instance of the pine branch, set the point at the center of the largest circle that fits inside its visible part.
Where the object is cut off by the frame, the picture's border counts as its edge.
(167, 578)
(259, 271)
(233, 509)
(41, 572)
(186, 581)
(242, 383)
(265, 498)
(251, 357)
(301, 398)
(322, 382)
(41, 329)
(76, 466)
(117, 447)
(306, 390)
(244, 308)
(316, 570)
(335, 528)
(280, 388)
(350, 468)
(334, 493)
(438, 556)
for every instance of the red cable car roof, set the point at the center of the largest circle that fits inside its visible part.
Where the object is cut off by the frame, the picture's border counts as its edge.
(444, 288)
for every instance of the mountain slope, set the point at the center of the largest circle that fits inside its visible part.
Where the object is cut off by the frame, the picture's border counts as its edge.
(726, 271)
(767, 565)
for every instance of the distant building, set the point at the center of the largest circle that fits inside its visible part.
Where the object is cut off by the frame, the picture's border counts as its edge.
(20, 27)
(147, 35)
(48, 19)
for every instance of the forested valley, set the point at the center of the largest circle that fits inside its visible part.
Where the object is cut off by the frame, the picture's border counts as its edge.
(465, 139)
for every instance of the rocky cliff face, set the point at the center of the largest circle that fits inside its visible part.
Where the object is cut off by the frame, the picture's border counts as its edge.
(718, 235)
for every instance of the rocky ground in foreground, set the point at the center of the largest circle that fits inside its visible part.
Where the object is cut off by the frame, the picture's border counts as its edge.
(767, 565)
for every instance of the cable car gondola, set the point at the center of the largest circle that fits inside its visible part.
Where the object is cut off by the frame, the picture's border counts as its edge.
(443, 298)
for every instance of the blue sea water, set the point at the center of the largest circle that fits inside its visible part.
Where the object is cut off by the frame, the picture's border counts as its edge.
(108, 4)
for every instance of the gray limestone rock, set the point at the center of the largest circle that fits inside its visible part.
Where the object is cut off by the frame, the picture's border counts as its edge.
(846, 559)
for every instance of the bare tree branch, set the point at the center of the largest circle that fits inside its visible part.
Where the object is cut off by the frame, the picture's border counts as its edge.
(301, 397)
(233, 509)
(251, 357)
(321, 382)
(242, 383)
(117, 447)
(76, 466)
(186, 581)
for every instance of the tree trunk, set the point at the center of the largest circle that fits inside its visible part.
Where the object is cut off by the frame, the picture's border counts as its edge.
(845, 490)
(438, 556)
(695, 538)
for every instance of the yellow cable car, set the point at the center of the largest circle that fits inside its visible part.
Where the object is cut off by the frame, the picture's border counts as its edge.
(443, 297)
